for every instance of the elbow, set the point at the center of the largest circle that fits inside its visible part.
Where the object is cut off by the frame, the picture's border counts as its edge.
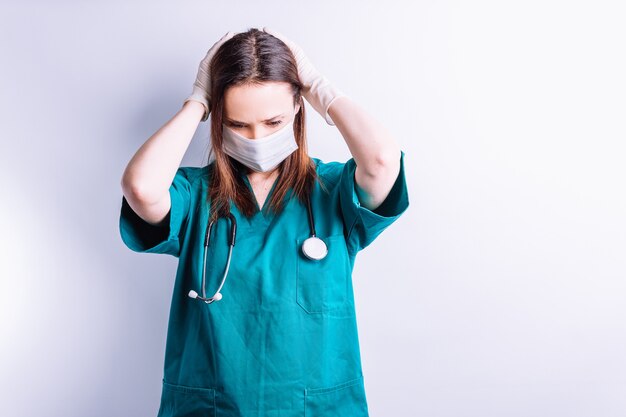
(389, 157)
(127, 183)
(130, 187)
(130, 190)
(134, 190)
(385, 160)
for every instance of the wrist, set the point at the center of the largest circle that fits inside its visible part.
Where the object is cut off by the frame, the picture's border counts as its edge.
(196, 108)
(321, 96)
(332, 107)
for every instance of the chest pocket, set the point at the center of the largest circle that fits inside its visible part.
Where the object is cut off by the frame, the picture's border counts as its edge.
(325, 286)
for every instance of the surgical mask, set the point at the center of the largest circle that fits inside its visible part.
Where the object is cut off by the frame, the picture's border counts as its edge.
(262, 154)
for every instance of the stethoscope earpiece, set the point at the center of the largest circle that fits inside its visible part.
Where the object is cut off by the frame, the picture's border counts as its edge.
(216, 297)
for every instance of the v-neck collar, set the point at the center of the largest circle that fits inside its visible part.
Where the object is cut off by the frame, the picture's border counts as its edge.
(264, 213)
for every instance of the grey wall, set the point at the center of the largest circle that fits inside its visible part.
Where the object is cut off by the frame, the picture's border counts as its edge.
(500, 292)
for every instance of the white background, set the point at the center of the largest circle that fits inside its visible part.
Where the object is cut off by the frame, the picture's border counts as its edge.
(500, 292)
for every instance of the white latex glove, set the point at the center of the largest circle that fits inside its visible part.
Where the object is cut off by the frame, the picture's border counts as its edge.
(202, 86)
(317, 89)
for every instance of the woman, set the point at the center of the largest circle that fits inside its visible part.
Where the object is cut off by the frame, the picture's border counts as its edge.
(279, 336)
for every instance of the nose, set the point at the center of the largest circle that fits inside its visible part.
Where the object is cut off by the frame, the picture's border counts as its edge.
(257, 132)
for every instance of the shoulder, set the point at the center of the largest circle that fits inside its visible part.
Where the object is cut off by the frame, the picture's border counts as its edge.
(193, 175)
(331, 171)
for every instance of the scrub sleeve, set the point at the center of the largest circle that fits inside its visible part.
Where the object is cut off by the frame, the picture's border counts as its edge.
(364, 225)
(141, 236)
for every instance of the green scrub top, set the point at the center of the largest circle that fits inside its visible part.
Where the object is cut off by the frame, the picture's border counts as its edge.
(283, 340)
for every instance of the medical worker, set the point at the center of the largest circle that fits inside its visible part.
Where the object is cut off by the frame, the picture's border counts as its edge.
(262, 319)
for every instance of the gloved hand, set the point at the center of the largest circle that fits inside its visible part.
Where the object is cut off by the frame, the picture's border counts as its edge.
(317, 89)
(202, 85)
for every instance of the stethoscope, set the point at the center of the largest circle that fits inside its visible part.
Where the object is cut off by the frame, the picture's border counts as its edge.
(313, 248)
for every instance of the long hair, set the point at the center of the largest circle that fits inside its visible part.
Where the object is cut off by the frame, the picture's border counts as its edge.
(254, 57)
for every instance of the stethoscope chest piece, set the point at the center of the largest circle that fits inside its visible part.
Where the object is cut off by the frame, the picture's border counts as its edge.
(314, 248)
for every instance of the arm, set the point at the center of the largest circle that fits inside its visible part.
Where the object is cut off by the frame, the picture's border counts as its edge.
(150, 172)
(147, 178)
(375, 151)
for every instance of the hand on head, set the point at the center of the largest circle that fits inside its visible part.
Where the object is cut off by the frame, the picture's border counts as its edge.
(202, 86)
(317, 89)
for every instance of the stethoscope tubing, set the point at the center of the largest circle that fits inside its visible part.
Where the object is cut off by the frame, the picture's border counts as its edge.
(231, 243)
(207, 241)
(311, 221)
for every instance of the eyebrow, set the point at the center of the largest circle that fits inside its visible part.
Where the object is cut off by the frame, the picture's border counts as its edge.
(266, 120)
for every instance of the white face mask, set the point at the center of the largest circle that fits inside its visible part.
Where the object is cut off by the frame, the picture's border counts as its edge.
(262, 154)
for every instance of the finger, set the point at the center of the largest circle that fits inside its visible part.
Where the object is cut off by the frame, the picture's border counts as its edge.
(219, 43)
(273, 33)
(295, 48)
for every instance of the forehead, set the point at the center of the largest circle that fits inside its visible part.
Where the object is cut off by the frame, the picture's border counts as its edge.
(257, 102)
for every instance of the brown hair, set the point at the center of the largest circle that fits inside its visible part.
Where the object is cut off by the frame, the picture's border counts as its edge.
(254, 57)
